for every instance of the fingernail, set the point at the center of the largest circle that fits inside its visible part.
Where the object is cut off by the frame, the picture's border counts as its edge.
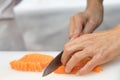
(77, 74)
(67, 70)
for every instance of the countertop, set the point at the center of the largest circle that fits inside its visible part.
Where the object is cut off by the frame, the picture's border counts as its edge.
(111, 70)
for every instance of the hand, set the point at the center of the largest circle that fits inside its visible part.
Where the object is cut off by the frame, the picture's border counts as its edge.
(87, 21)
(101, 47)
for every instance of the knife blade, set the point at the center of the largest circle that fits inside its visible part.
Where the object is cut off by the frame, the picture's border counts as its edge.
(53, 65)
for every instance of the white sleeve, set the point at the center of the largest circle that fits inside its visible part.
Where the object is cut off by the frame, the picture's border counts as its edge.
(10, 37)
(6, 8)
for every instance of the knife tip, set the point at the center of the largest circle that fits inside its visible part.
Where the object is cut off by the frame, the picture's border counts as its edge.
(43, 75)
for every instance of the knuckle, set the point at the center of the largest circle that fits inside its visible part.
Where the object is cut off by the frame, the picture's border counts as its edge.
(90, 66)
(66, 48)
(91, 51)
(78, 16)
(85, 38)
(104, 56)
(97, 58)
(93, 62)
(93, 21)
(75, 56)
(87, 52)
(89, 38)
(77, 33)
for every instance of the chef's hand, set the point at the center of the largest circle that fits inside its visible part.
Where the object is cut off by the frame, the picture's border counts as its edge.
(101, 47)
(87, 21)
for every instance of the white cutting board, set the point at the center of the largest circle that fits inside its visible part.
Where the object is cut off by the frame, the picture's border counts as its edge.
(111, 70)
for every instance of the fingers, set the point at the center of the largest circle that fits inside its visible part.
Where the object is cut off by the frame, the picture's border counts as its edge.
(76, 26)
(89, 66)
(74, 46)
(69, 50)
(75, 59)
(72, 27)
(90, 26)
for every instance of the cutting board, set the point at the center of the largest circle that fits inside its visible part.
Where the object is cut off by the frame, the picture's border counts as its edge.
(111, 70)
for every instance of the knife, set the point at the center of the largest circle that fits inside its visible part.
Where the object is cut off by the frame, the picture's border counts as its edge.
(53, 65)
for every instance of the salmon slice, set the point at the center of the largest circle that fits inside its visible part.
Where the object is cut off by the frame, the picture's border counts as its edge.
(31, 62)
(37, 62)
(61, 69)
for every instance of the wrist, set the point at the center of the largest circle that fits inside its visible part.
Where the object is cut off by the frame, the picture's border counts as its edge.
(100, 1)
(92, 4)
